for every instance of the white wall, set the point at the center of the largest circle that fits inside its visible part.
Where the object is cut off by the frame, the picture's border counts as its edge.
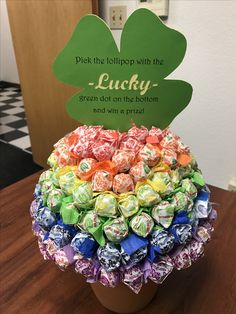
(208, 125)
(8, 68)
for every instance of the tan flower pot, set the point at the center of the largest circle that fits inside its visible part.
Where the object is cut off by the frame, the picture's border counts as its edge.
(122, 300)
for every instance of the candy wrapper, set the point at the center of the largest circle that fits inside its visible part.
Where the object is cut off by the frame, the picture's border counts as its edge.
(181, 259)
(162, 242)
(139, 134)
(60, 236)
(149, 154)
(88, 268)
(147, 196)
(90, 220)
(128, 205)
(182, 233)
(109, 278)
(134, 258)
(69, 211)
(45, 218)
(160, 270)
(85, 166)
(122, 207)
(102, 181)
(142, 224)
(109, 257)
(116, 230)
(54, 199)
(133, 278)
(139, 171)
(106, 205)
(84, 244)
(123, 183)
(83, 195)
(123, 159)
(64, 257)
(163, 213)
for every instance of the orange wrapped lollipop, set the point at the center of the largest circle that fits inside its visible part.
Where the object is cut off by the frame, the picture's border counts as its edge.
(123, 183)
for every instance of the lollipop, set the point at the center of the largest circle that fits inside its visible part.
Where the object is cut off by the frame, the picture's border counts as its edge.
(106, 205)
(142, 224)
(147, 196)
(109, 257)
(123, 183)
(116, 230)
(128, 205)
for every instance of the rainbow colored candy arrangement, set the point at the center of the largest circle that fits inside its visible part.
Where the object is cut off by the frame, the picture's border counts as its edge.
(122, 207)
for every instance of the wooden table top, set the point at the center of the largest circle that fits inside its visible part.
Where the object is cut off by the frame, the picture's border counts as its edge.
(29, 284)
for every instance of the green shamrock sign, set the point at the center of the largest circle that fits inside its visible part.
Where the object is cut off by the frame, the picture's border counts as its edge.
(119, 86)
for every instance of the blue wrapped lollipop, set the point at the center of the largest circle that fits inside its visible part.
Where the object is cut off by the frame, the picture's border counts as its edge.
(45, 218)
(60, 236)
(109, 256)
(181, 233)
(84, 244)
(162, 240)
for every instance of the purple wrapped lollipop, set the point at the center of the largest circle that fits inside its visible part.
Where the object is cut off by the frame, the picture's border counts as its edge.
(64, 257)
(196, 250)
(109, 278)
(87, 267)
(161, 269)
(181, 259)
(133, 278)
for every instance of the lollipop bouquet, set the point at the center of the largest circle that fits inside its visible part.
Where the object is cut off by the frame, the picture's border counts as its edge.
(122, 207)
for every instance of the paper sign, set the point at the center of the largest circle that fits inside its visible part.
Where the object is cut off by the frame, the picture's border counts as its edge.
(120, 86)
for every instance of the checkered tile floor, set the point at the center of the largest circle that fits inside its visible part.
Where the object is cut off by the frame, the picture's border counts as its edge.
(13, 125)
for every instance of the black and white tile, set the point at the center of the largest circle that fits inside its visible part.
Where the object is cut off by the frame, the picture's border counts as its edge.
(13, 124)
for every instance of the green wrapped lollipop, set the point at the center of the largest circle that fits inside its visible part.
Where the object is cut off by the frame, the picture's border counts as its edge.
(185, 172)
(142, 224)
(46, 187)
(147, 196)
(175, 177)
(128, 205)
(54, 200)
(106, 205)
(198, 180)
(163, 213)
(116, 229)
(68, 211)
(90, 220)
(93, 224)
(46, 175)
(180, 201)
(189, 188)
(83, 195)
